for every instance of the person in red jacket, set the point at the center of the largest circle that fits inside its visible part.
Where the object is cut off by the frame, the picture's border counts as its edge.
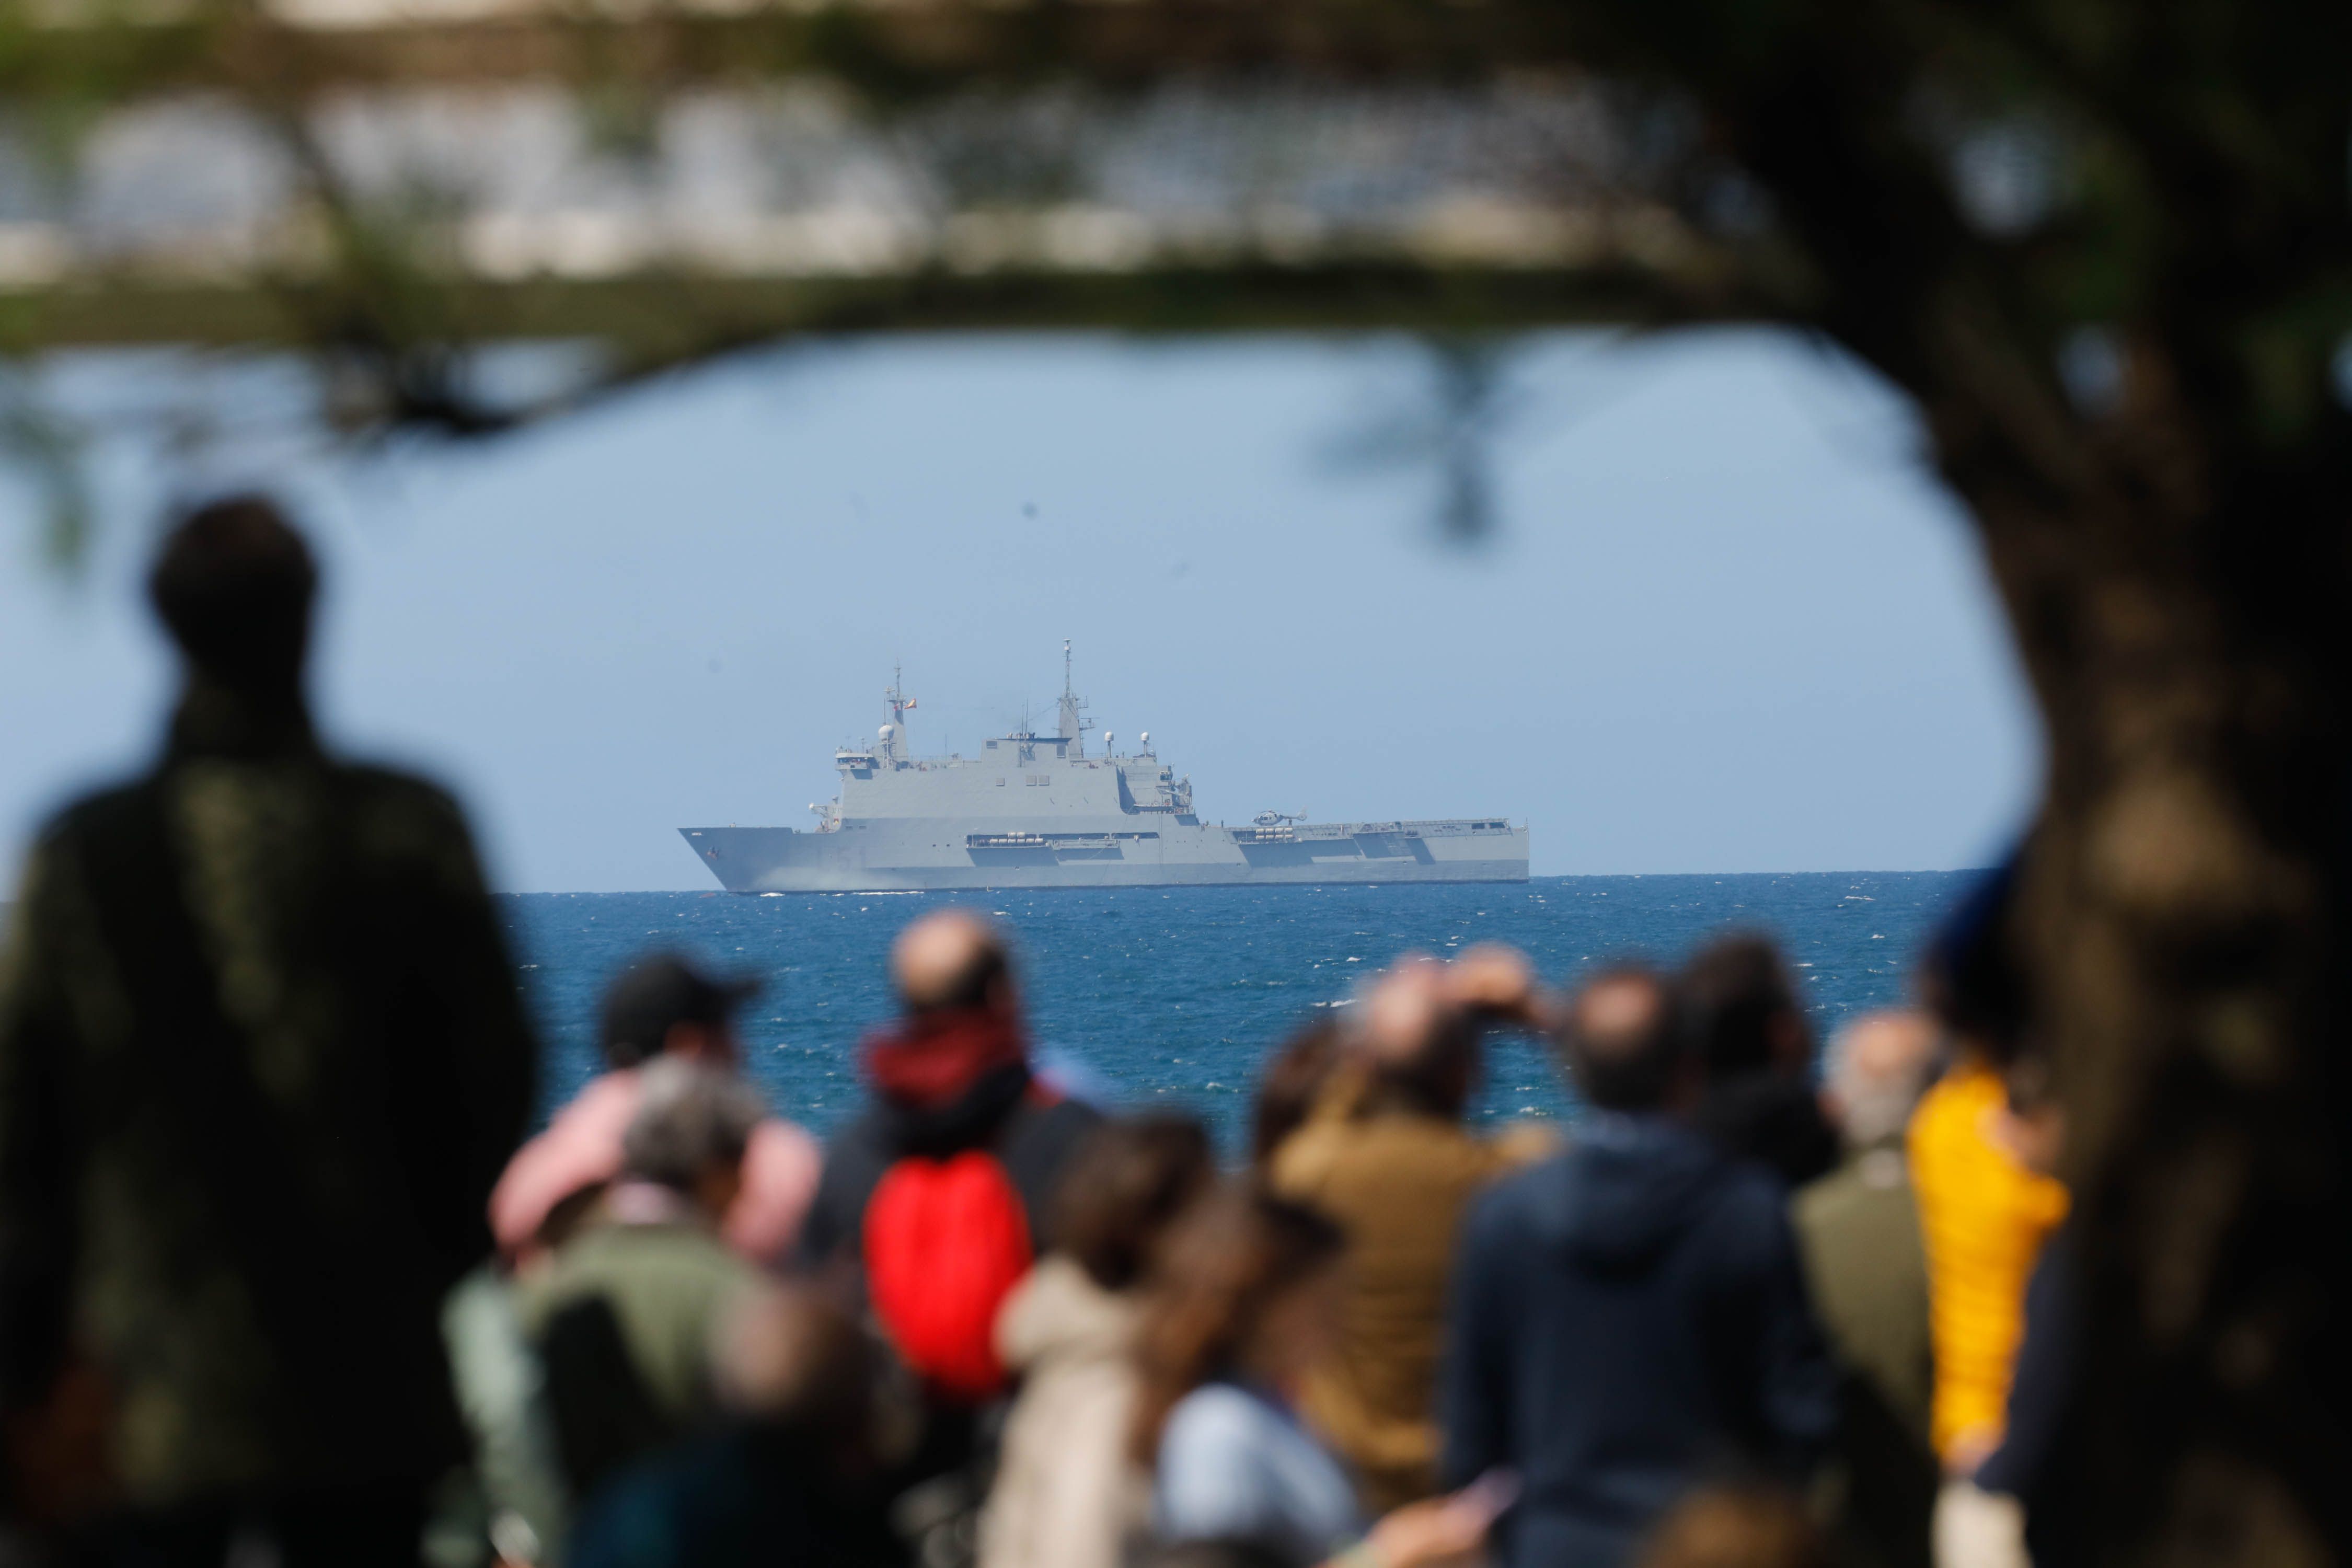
(936, 1199)
(952, 1075)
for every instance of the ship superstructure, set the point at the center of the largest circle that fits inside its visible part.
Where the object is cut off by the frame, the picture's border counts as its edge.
(1037, 810)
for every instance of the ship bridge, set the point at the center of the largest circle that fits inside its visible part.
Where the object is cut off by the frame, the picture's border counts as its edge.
(1023, 774)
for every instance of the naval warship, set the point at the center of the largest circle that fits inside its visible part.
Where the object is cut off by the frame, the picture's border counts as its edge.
(1036, 810)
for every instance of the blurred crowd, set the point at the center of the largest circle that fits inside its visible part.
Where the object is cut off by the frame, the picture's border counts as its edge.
(283, 1282)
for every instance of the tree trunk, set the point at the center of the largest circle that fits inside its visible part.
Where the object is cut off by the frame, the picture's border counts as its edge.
(2181, 915)
(2175, 563)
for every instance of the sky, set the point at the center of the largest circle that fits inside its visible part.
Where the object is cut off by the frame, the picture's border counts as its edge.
(1724, 621)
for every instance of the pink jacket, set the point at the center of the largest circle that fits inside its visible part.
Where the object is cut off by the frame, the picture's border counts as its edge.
(582, 1148)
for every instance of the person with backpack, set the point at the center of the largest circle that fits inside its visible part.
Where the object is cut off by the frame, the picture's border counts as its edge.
(934, 1201)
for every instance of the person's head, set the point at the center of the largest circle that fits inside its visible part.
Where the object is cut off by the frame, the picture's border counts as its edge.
(1742, 1011)
(665, 1006)
(1218, 1553)
(1419, 1044)
(1970, 976)
(1494, 981)
(1417, 1029)
(952, 961)
(1245, 1285)
(234, 583)
(785, 1357)
(2033, 1125)
(1876, 1068)
(1288, 1084)
(1625, 1044)
(693, 1122)
(1121, 1189)
(1735, 1527)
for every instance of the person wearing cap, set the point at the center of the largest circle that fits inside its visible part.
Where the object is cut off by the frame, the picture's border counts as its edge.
(661, 1007)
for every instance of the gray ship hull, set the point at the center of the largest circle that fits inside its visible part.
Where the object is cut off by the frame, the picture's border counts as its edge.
(1034, 810)
(901, 854)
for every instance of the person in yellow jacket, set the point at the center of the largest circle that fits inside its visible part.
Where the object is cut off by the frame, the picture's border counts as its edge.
(1983, 1216)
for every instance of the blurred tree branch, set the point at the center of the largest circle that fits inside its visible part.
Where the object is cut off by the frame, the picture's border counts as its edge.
(43, 450)
(890, 53)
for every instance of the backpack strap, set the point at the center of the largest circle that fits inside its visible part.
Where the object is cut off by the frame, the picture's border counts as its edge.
(597, 1400)
(1035, 1143)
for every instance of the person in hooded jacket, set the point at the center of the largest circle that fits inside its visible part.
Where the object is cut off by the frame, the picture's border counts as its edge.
(1629, 1317)
(1067, 1493)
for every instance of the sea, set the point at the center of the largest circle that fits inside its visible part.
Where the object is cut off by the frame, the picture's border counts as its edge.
(1158, 997)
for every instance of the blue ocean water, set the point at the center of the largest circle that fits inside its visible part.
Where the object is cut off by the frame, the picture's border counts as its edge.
(1173, 995)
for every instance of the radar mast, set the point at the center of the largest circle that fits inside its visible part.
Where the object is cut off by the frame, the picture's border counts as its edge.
(1074, 726)
(894, 741)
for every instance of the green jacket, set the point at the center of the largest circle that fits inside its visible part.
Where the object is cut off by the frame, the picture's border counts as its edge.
(261, 1058)
(668, 1285)
(1858, 1228)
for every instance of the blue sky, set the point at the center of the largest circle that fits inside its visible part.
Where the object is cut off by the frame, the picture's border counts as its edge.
(1727, 622)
